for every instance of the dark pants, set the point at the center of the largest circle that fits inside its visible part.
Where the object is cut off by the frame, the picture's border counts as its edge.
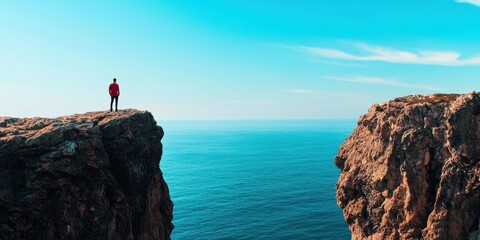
(116, 103)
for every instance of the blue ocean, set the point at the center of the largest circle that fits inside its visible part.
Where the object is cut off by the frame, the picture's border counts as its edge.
(254, 179)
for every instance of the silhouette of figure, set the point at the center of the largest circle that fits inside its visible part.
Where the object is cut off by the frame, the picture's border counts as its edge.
(114, 91)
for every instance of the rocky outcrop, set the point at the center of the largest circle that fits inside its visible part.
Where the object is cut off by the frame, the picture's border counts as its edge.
(411, 169)
(86, 176)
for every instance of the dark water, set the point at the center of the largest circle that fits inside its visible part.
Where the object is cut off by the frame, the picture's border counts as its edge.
(254, 179)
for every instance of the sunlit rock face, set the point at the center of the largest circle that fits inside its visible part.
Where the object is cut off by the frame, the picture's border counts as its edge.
(411, 169)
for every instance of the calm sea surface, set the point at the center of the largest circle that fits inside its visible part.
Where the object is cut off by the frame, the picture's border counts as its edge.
(254, 179)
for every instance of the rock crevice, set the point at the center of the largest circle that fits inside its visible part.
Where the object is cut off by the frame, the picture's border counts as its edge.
(86, 176)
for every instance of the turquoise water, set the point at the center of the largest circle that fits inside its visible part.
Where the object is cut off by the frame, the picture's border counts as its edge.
(254, 179)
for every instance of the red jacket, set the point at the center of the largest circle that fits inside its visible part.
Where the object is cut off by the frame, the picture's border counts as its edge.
(114, 90)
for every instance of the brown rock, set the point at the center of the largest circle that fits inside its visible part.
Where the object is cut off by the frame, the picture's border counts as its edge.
(411, 170)
(87, 176)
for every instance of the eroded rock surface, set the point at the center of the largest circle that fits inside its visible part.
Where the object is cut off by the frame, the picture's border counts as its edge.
(87, 176)
(411, 169)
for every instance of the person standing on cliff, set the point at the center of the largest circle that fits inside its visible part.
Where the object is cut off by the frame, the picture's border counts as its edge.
(114, 91)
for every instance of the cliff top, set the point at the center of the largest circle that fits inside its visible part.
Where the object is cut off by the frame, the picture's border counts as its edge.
(30, 128)
(431, 99)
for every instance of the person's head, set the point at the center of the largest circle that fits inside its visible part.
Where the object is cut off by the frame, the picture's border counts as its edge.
(114, 80)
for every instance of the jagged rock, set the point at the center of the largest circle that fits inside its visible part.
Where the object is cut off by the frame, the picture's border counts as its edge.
(87, 176)
(411, 169)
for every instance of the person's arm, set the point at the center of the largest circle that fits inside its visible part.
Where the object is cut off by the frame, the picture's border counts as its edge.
(118, 90)
(110, 89)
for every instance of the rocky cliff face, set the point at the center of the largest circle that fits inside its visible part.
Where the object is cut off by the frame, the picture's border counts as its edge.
(87, 176)
(411, 169)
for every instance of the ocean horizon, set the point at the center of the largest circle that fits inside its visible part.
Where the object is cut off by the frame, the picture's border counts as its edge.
(254, 179)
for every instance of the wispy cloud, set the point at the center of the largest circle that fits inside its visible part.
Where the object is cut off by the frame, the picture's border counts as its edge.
(301, 91)
(473, 2)
(382, 81)
(335, 63)
(251, 103)
(376, 53)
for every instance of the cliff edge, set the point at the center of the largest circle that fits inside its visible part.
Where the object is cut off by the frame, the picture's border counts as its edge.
(411, 169)
(86, 176)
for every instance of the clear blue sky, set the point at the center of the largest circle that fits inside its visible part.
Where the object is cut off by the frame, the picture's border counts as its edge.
(237, 59)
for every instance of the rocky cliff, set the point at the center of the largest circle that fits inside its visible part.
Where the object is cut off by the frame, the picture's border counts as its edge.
(86, 176)
(411, 169)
